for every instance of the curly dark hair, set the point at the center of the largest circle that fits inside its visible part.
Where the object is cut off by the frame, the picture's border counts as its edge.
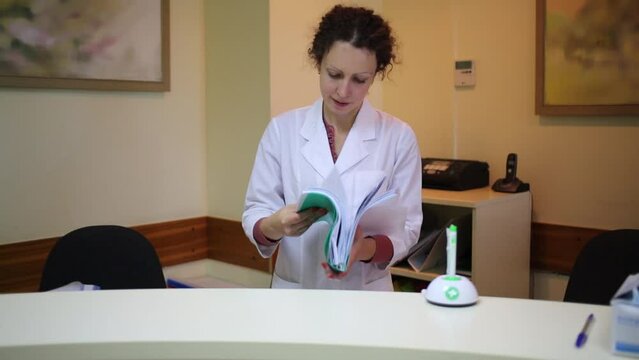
(361, 28)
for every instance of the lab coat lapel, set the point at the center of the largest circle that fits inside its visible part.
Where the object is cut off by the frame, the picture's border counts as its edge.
(363, 130)
(316, 151)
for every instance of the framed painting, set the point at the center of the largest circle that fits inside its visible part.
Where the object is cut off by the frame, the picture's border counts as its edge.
(587, 57)
(118, 45)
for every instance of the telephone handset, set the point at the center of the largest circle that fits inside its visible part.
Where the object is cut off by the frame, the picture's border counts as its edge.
(511, 168)
(511, 183)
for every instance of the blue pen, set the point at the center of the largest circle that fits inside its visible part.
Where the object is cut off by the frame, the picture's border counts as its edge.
(583, 335)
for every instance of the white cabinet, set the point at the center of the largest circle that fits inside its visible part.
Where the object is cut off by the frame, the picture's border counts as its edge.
(500, 240)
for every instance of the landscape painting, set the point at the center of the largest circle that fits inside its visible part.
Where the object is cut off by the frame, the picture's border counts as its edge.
(85, 44)
(588, 57)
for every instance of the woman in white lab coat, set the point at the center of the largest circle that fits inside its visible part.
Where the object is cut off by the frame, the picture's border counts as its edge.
(340, 132)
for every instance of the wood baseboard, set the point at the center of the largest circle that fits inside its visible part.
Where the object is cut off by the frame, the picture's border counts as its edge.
(553, 248)
(179, 241)
(228, 243)
(21, 264)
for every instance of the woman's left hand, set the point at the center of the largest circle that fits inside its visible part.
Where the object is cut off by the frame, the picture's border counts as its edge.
(363, 249)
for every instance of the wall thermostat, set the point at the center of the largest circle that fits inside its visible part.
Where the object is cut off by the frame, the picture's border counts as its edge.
(464, 73)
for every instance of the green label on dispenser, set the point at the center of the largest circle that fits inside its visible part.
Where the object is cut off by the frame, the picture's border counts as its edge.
(451, 293)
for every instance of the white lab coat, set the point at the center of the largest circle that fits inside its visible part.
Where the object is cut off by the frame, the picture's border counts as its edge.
(294, 154)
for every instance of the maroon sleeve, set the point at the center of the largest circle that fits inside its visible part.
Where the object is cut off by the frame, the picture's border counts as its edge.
(258, 235)
(383, 251)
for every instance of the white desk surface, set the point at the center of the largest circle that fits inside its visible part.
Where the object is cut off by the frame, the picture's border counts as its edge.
(290, 324)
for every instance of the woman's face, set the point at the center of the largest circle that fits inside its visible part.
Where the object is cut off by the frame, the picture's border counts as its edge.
(346, 74)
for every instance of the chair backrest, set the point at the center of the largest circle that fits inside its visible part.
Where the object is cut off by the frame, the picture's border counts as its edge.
(602, 266)
(110, 256)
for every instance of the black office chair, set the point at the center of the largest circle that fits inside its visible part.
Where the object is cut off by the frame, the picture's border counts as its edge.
(110, 256)
(602, 266)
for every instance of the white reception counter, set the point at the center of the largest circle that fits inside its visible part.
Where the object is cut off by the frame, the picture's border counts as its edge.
(290, 324)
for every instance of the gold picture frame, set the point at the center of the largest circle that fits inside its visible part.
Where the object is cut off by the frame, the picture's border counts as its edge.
(112, 45)
(584, 66)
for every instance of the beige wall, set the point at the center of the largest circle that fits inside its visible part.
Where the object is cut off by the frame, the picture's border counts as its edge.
(74, 158)
(237, 98)
(582, 170)
(419, 90)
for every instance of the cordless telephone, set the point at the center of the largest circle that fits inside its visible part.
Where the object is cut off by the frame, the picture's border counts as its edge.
(511, 183)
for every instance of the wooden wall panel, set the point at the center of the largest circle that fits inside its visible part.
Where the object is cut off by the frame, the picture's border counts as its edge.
(178, 241)
(175, 242)
(21, 264)
(228, 243)
(555, 247)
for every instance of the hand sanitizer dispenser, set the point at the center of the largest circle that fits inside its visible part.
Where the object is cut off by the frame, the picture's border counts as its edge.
(451, 289)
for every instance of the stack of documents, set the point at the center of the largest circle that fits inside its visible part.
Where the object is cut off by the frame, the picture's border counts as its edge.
(375, 215)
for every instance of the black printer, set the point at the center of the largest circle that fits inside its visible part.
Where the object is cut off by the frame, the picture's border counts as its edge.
(449, 174)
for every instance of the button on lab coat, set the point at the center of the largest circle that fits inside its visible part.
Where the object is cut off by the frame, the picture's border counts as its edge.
(294, 154)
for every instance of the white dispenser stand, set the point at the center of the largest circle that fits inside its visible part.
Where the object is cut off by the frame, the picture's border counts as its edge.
(451, 289)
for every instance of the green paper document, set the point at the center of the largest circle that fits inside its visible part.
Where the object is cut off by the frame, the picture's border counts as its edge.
(375, 215)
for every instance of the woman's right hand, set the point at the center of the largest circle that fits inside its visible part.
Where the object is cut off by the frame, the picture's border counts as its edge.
(287, 221)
